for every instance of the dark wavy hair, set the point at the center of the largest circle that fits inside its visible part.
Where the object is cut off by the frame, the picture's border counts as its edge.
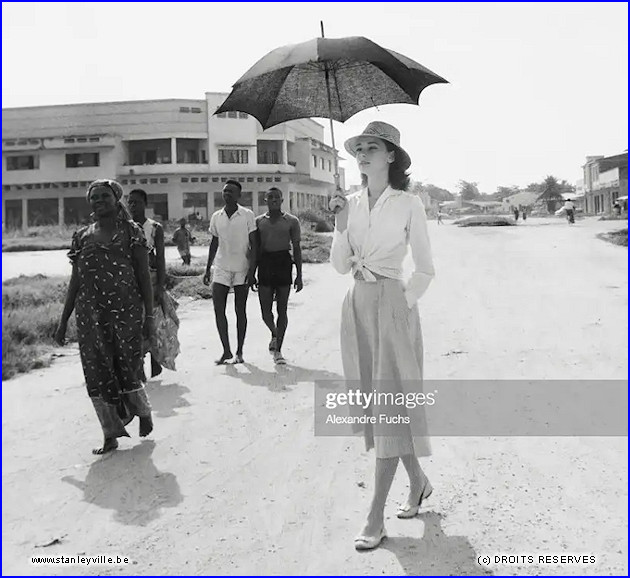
(398, 177)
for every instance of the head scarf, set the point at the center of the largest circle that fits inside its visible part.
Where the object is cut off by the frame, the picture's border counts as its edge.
(116, 188)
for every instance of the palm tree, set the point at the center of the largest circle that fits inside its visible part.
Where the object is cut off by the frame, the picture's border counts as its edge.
(551, 194)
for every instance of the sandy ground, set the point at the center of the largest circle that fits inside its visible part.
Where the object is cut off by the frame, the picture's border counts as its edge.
(232, 481)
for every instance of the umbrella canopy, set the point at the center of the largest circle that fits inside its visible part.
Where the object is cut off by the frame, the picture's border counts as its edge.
(327, 77)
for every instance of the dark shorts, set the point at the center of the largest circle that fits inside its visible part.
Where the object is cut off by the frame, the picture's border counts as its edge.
(275, 269)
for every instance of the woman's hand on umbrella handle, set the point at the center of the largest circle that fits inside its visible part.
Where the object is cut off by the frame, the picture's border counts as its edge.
(337, 203)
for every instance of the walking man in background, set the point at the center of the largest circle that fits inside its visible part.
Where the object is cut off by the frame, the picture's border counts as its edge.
(278, 232)
(183, 239)
(233, 252)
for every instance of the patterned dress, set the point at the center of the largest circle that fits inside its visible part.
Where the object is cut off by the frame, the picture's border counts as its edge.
(109, 316)
(165, 348)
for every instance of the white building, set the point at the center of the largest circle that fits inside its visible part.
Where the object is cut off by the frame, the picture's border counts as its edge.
(177, 150)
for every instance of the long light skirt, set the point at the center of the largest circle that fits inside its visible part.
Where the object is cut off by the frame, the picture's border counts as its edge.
(381, 347)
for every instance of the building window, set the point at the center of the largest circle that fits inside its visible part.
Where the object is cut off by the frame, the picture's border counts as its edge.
(194, 180)
(243, 115)
(163, 180)
(132, 182)
(22, 163)
(184, 179)
(223, 179)
(330, 166)
(241, 179)
(82, 139)
(218, 199)
(268, 157)
(204, 179)
(195, 109)
(234, 156)
(260, 179)
(277, 179)
(321, 163)
(232, 114)
(195, 200)
(215, 179)
(153, 181)
(94, 139)
(144, 181)
(184, 109)
(68, 140)
(250, 179)
(268, 179)
(78, 160)
(261, 199)
(221, 115)
(314, 161)
(124, 182)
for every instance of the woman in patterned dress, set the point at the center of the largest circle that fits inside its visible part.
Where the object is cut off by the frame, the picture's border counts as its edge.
(110, 287)
(381, 339)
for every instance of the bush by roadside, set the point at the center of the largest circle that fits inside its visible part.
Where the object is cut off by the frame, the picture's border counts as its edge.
(31, 309)
(319, 221)
(616, 237)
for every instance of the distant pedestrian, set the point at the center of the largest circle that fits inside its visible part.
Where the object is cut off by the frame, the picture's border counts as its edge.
(439, 217)
(183, 239)
(524, 213)
(569, 208)
(617, 207)
(515, 211)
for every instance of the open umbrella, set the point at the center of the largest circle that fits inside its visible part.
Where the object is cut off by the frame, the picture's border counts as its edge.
(330, 78)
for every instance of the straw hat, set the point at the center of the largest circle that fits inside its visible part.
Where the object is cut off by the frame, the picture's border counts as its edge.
(385, 132)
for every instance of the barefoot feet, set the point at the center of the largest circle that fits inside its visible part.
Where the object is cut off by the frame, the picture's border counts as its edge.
(227, 355)
(109, 445)
(146, 426)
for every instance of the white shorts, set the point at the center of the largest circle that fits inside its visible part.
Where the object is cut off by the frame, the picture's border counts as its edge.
(229, 278)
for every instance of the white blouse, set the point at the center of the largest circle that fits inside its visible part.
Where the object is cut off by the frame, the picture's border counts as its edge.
(376, 241)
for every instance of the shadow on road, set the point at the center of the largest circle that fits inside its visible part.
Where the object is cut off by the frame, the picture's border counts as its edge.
(282, 378)
(165, 399)
(128, 482)
(435, 554)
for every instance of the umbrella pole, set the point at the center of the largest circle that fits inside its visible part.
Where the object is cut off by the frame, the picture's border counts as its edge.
(338, 190)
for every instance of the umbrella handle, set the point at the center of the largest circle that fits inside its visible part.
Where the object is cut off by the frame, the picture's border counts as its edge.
(338, 190)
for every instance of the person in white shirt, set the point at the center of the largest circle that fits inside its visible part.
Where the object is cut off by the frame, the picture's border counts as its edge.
(569, 207)
(234, 244)
(381, 339)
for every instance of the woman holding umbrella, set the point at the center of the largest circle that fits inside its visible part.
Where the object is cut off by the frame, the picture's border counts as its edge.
(381, 340)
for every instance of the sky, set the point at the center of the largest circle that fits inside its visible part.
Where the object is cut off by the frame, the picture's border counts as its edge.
(533, 87)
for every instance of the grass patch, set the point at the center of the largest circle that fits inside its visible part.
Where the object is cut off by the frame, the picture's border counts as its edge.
(319, 221)
(315, 247)
(616, 237)
(31, 309)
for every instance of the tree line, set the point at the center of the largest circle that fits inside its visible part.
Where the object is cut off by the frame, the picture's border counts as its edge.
(551, 187)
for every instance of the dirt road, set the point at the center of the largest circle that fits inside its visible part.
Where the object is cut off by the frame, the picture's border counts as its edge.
(233, 481)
